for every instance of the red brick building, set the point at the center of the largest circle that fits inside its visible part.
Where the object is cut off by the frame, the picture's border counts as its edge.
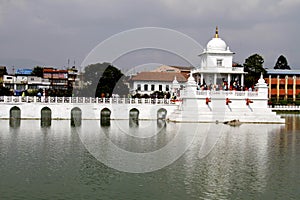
(283, 84)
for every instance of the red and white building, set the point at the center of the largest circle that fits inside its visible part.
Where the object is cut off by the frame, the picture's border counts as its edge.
(283, 84)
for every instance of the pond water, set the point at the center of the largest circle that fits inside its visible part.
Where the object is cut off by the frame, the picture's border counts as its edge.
(203, 161)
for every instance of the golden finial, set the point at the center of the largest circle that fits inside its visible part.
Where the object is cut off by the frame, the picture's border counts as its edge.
(217, 32)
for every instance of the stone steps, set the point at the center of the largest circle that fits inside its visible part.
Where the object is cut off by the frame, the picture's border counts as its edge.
(243, 115)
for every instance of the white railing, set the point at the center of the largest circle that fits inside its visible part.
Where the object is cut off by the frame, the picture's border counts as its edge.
(239, 69)
(83, 100)
(285, 107)
(210, 93)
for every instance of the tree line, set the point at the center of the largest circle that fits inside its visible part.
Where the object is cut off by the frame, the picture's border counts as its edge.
(104, 80)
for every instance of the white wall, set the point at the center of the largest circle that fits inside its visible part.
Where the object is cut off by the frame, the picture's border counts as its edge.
(156, 86)
(89, 111)
(210, 60)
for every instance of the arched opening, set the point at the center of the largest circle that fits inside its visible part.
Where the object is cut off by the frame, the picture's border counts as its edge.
(46, 117)
(161, 113)
(15, 117)
(134, 117)
(105, 117)
(76, 116)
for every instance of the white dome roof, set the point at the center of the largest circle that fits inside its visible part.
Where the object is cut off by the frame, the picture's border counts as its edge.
(216, 44)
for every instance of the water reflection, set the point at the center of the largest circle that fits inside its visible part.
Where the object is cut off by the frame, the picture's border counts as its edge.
(161, 123)
(252, 161)
(105, 121)
(133, 122)
(240, 159)
(14, 123)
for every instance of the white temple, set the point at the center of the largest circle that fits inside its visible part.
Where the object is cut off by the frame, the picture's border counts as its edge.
(216, 66)
(217, 103)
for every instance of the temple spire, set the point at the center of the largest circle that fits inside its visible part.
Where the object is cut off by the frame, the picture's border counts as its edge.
(217, 32)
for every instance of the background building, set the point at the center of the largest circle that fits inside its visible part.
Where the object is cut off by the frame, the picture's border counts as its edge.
(51, 81)
(283, 84)
(149, 82)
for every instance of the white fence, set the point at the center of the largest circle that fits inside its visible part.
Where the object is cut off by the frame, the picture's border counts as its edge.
(209, 93)
(285, 108)
(83, 100)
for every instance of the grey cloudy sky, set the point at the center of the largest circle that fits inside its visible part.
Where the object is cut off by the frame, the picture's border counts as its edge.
(49, 32)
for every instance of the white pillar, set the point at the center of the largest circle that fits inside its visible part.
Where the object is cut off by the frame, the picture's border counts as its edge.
(215, 79)
(201, 78)
(286, 87)
(294, 88)
(228, 80)
(270, 86)
(242, 80)
(278, 82)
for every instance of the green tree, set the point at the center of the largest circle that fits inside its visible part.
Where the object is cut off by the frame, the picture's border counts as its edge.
(111, 82)
(103, 79)
(37, 71)
(254, 67)
(4, 91)
(281, 63)
(3, 71)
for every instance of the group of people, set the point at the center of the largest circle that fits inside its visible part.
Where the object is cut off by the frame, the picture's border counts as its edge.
(234, 85)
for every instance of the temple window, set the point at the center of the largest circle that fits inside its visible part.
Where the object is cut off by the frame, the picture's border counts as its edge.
(219, 62)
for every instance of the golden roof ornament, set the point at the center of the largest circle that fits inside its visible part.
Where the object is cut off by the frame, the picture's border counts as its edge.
(217, 32)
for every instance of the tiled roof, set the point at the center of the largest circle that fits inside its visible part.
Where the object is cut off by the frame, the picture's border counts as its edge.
(183, 67)
(283, 72)
(159, 76)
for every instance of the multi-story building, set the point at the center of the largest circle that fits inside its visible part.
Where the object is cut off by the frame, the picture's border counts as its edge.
(283, 84)
(54, 79)
(58, 78)
(61, 79)
(20, 83)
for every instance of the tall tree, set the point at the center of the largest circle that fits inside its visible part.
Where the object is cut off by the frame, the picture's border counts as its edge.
(103, 79)
(111, 82)
(3, 71)
(37, 71)
(254, 66)
(281, 63)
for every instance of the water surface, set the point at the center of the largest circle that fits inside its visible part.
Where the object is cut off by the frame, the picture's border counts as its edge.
(252, 161)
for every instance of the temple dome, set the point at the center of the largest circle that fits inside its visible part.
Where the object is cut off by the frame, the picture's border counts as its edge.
(216, 43)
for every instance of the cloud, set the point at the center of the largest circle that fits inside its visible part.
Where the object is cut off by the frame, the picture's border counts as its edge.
(53, 31)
